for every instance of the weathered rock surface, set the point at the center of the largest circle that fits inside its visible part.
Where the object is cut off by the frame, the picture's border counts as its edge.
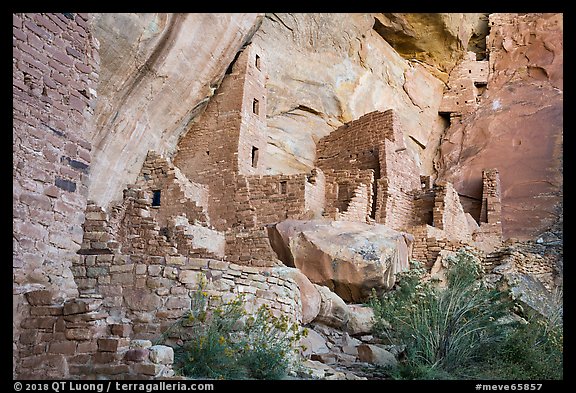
(361, 319)
(334, 311)
(330, 68)
(157, 71)
(374, 354)
(518, 126)
(309, 294)
(350, 258)
(313, 343)
(434, 38)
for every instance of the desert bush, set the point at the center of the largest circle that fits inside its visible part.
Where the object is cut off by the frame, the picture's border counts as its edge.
(443, 329)
(225, 342)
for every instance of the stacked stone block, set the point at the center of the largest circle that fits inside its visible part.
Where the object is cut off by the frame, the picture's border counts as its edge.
(373, 142)
(250, 246)
(448, 213)
(349, 194)
(429, 241)
(489, 235)
(177, 194)
(465, 85)
(400, 179)
(55, 68)
(228, 139)
(151, 292)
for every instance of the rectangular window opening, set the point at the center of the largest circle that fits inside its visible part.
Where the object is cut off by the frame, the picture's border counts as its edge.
(283, 187)
(156, 198)
(254, 156)
(256, 106)
(257, 62)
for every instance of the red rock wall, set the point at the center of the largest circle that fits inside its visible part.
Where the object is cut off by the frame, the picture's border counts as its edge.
(55, 70)
(518, 126)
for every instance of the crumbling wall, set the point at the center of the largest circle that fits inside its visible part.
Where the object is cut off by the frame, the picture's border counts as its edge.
(152, 292)
(175, 194)
(397, 186)
(489, 235)
(349, 194)
(429, 241)
(466, 84)
(374, 141)
(55, 71)
(448, 213)
(250, 246)
(278, 197)
(355, 144)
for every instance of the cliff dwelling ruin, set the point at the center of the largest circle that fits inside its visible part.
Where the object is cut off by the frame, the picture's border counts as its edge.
(89, 279)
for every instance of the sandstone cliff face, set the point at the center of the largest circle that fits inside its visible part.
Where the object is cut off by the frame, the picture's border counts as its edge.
(157, 72)
(328, 69)
(325, 69)
(518, 125)
(436, 39)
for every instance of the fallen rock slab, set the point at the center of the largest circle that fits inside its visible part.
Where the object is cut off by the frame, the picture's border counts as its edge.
(350, 258)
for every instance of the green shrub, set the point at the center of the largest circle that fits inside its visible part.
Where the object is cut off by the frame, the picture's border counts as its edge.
(269, 344)
(444, 330)
(226, 343)
(531, 351)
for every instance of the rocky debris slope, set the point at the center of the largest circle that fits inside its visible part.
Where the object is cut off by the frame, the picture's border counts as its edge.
(349, 351)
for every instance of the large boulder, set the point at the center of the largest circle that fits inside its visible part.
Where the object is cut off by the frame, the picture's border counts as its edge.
(374, 354)
(313, 343)
(361, 319)
(350, 258)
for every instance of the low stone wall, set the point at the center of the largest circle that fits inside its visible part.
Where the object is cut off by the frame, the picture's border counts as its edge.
(152, 292)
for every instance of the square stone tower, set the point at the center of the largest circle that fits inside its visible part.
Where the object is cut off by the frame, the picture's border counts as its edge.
(229, 138)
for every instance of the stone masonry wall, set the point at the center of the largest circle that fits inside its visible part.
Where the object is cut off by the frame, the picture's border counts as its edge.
(253, 137)
(489, 235)
(151, 292)
(315, 193)
(219, 145)
(349, 194)
(429, 241)
(400, 180)
(278, 197)
(355, 144)
(177, 195)
(448, 213)
(55, 67)
(375, 141)
(466, 83)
